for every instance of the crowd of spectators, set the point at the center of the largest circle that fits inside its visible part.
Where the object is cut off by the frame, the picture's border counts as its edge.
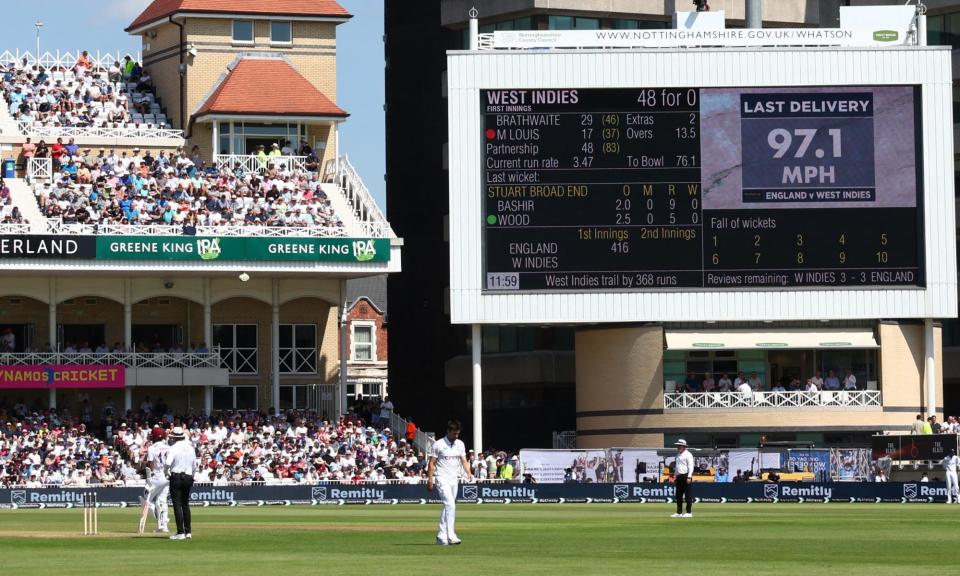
(56, 448)
(178, 189)
(752, 383)
(45, 447)
(85, 95)
(298, 447)
(9, 214)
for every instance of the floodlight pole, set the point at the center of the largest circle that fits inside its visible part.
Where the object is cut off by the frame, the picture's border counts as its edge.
(38, 24)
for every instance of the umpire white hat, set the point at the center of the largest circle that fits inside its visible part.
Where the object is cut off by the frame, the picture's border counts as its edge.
(680, 442)
(177, 432)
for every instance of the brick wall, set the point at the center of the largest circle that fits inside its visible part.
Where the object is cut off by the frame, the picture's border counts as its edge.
(364, 310)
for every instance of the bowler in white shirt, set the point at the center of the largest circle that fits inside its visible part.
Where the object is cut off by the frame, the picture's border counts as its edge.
(447, 458)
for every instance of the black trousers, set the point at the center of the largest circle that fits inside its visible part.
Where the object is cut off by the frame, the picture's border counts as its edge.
(684, 489)
(180, 485)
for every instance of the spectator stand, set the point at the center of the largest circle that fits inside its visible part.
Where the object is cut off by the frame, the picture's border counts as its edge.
(120, 114)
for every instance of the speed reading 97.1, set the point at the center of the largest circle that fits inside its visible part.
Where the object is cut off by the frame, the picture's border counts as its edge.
(660, 188)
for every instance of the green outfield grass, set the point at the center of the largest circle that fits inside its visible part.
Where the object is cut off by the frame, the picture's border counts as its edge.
(740, 539)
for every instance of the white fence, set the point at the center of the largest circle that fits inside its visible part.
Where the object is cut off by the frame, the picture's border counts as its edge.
(57, 227)
(423, 441)
(40, 168)
(140, 132)
(66, 60)
(251, 163)
(725, 400)
(129, 359)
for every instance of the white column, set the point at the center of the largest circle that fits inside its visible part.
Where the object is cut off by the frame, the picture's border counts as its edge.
(127, 315)
(52, 318)
(275, 347)
(52, 332)
(216, 141)
(127, 399)
(342, 348)
(921, 29)
(928, 354)
(336, 147)
(128, 326)
(207, 400)
(53, 398)
(477, 389)
(207, 315)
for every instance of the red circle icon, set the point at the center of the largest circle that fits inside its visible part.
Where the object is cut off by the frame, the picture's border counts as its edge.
(491, 134)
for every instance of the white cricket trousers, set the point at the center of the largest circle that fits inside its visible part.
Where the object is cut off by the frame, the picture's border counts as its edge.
(448, 512)
(952, 491)
(159, 491)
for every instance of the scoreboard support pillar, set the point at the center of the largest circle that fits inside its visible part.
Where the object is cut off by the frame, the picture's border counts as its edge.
(477, 352)
(930, 368)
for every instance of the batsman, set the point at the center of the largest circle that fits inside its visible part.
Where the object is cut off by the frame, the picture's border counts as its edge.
(158, 486)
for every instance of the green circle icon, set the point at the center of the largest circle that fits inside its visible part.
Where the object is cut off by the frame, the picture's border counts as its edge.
(491, 219)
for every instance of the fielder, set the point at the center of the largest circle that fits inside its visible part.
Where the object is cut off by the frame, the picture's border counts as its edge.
(447, 458)
(950, 464)
(158, 487)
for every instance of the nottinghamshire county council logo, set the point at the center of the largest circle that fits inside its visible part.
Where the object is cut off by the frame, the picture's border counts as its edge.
(318, 493)
(469, 492)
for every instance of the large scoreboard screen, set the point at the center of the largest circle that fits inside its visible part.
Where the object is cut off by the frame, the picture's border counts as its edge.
(719, 188)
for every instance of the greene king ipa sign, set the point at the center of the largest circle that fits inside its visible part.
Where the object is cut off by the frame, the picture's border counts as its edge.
(235, 249)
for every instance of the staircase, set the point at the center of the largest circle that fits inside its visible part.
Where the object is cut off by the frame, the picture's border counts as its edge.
(23, 198)
(8, 126)
(343, 209)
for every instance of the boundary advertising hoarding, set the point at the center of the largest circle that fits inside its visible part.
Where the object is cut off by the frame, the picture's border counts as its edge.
(342, 494)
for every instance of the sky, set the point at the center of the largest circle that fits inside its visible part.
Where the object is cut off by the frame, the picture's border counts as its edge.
(99, 27)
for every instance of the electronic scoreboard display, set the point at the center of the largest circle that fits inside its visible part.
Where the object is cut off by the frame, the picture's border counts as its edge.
(719, 188)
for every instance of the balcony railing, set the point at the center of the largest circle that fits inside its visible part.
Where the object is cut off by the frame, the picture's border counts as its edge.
(58, 227)
(133, 131)
(250, 163)
(128, 359)
(40, 168)
(727, 400)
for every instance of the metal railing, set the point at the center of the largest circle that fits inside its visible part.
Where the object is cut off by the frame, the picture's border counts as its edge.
(65, 59)
(250, 163)
(56, 226)
(129, 359)
(423, 441)
(40, 168)
(368, 214)
(797, 399)
(566, 440)
(129, 130)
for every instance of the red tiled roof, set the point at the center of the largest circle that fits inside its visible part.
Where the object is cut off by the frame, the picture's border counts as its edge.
(161, 9)
(268, 87)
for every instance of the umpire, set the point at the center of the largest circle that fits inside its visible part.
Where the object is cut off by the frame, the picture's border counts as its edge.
(181, 459)
(683, 474)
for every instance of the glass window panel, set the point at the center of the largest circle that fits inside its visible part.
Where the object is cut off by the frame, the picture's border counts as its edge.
(624, 24)
(223, 335)
(246, 397)
(280, 32)
(286, 397)
(491, 339)
(222, 398)
(306, 336)
(243, 30)
(246, 335)
(363, 352)
(586, 24)
(362, 334)
(508, 339)
(286, 335)
(560, 23)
